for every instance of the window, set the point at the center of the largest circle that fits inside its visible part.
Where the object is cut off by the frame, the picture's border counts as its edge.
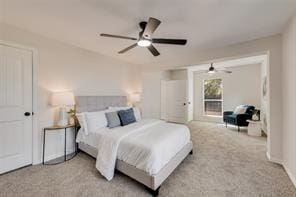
(213, 97)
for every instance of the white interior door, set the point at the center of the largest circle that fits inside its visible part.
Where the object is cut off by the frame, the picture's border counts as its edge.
(176, 96)
(15, 99)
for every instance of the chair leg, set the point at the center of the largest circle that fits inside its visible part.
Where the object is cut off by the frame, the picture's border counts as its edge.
(226, 124)
(238, 128)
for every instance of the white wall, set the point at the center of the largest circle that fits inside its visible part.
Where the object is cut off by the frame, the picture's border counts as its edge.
(289, 99)
(264, 99)
(151, 95)
(179, 74)
(243, 86)
(65, 67)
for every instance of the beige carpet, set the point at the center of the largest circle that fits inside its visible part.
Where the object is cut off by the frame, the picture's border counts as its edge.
(225, 163)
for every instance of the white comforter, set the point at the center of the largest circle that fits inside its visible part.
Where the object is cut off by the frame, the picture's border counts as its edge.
(148, 145)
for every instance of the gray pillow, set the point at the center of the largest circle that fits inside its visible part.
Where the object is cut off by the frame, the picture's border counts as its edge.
(126, 116)
(113, 119)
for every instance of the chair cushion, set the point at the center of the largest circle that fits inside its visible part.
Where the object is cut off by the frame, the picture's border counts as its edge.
(241, 109)
(126, 116)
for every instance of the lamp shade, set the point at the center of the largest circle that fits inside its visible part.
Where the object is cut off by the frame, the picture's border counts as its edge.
(62, 99)
(135, 97)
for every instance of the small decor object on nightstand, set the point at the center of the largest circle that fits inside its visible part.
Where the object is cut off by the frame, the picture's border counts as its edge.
(72, 114)
(62, 99)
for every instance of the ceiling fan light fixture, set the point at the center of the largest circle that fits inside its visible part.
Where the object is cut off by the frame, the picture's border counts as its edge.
(212, 69)
(144, 43)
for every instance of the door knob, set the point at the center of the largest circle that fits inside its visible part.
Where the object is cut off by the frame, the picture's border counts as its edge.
(27, 114)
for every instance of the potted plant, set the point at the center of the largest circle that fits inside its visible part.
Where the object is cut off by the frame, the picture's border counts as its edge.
(72, 113)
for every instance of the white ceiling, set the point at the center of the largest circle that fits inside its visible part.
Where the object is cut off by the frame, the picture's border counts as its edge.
(259, 59)
(204, 23)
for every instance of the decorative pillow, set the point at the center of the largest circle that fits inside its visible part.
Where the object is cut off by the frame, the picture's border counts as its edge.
(126, 116)
(137, 113)
(82, 121)
(113, 119)
(95, 120)
(241, 109)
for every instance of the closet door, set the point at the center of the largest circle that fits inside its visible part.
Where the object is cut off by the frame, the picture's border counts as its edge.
(15, 108)
(176, 101)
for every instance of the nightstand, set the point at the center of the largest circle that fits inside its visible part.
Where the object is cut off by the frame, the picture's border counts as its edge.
(60, 128)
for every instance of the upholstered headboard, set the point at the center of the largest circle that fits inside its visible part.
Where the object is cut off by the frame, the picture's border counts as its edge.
(96, 103)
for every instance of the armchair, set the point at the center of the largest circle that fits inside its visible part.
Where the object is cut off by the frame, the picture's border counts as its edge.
(240, 120)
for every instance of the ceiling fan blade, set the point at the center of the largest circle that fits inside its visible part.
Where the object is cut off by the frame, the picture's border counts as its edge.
(128, 48)
(169, 41)
(153, 50)
(116, 36)
(151, 26)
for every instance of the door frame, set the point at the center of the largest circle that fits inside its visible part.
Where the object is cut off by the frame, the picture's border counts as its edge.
(35, 61)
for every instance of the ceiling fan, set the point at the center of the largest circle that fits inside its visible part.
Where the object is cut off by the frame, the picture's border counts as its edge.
(213, 70)
(145, 37)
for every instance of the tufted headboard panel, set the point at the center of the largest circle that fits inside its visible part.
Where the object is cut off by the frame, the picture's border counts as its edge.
(96, 103)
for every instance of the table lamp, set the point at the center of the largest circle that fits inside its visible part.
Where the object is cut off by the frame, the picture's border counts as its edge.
(135, 98)
(62, 99)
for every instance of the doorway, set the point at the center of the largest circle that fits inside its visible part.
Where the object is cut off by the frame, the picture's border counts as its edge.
(264, 104)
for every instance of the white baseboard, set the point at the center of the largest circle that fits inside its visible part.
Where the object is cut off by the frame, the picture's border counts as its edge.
(273, 159)
(281, 162)
(53, 156)
(291, 176)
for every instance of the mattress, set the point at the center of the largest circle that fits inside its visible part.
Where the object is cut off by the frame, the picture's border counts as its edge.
(149, 148)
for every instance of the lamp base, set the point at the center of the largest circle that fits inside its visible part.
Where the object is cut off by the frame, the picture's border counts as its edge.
(63, 117)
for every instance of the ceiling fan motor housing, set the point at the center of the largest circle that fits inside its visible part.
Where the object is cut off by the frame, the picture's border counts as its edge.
(143, 26)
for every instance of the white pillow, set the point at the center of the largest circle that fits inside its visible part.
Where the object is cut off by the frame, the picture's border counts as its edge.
(137, 113)
(82, 122)
(241, 109)
(118, 108)
(95, 120)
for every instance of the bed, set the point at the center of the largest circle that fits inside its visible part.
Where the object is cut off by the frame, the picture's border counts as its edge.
(156, 174)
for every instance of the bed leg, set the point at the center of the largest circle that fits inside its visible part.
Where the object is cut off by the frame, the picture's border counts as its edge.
(191, 152)
(154, 193)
